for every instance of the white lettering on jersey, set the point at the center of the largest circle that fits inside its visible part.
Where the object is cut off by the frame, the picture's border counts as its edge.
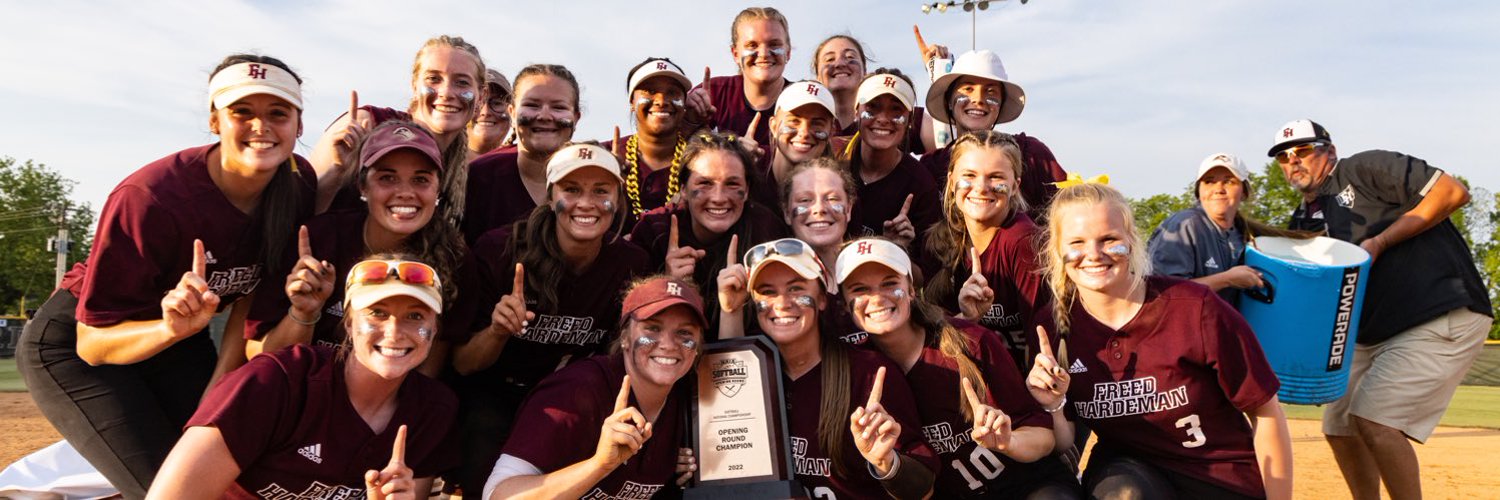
(235, 281)
(315, 491)
(809, 466)
(629, 491)
(1130, 397)
(557, 329)
(941, 438)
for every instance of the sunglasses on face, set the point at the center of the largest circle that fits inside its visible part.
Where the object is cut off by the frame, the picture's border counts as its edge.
(785, 247)
(374, 272)
(1302, 151)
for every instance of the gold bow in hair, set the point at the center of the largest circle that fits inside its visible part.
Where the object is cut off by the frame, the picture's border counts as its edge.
(1075, 179)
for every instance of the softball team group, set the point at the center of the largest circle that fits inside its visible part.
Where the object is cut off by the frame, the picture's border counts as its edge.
(458, 290)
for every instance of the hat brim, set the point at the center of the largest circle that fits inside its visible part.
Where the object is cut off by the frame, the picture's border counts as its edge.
(380, 153)
(233, 95)
(363, 296)
(882, 260)
(1291, 143)
(797, 267)
(1015, 98)
(675, 76)
(649, 310)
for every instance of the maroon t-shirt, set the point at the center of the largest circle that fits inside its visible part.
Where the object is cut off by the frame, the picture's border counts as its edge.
(145, 236)
(733, 112)
(653, 183)
(969, 470)
(1037, 175)
(560, 422)
(580, 325)
(1172, 386)
(347, 197)
(814, 465)
(1010, 265)
(881, 200)
(494, 196)
(336, 237)
(287, 420)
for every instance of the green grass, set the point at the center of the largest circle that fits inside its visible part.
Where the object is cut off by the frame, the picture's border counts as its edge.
(1472, 406)
(10, 379)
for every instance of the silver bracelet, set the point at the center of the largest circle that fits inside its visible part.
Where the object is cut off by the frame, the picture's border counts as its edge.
(1060, 405)
(294, 319)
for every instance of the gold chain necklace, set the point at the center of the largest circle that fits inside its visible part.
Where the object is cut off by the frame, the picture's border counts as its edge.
(632, 179)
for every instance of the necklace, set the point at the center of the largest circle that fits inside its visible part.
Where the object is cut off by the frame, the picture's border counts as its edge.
(632, 178)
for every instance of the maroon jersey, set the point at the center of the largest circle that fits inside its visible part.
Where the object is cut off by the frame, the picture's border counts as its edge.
(494, 196)
(733, 112)
(338, 238)
(559, 426)
(1037, 175)
(881, 200)
(1010, 265)
(581, 324)
(1173, 385)
(144, 242)
(287, 420)
(814, 465)
(347, 197)
(969, 470)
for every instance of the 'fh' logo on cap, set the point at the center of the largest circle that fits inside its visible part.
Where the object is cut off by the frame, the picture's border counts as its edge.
(257, 72)
(1286, 132)
(1221, 158)
(585, 154)
(661, 65)
(864, 248)
(812, 89)
(890, 82)
(673, 289)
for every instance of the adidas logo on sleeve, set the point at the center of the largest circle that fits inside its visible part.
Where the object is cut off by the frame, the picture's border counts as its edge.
(1077, 367)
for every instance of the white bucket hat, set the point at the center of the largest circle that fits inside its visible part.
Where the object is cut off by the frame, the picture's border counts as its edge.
(981, 64)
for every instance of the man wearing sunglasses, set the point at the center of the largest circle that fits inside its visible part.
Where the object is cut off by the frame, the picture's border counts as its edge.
(1426, 312)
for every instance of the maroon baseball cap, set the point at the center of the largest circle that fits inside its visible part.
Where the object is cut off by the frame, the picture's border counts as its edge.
(656, 295)
(385, 140)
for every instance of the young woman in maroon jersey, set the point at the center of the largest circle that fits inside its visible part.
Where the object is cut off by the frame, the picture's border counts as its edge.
(654, 156)
(565, 267)
(782, 281)
(1164, 372)
(447, 85)
(323, 422)
(761, 44)
(984, 212)
(691, 240)
(611, 421)
(839, 63)
(400, 173)
(114, 365)
(505, 185)
(490, 127)
(817, 198)
(985, 451)
(900, 198)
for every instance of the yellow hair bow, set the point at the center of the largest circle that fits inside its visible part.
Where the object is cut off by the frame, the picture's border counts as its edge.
(1075, 179)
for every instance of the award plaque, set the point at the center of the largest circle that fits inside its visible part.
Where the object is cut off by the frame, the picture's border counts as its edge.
(739, 423)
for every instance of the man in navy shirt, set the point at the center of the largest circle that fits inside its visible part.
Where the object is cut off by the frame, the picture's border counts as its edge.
(1426, 312)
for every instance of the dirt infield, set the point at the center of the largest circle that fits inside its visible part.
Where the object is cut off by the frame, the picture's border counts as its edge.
(1452, 461)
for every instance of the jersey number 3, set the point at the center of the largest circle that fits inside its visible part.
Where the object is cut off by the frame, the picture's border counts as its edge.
(1194, 430)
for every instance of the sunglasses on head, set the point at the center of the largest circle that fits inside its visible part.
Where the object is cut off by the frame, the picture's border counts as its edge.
(374, 272)
(1301, 150)
(785, 247)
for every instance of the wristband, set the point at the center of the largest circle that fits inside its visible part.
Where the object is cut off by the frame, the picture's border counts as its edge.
(895, 466)
(312, 322)
(1060, 405)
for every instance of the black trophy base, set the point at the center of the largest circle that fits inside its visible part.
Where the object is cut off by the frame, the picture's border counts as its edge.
(762, 489)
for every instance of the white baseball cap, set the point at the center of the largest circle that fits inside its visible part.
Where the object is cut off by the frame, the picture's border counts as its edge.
(805, 92)
(249, 78)
(569, 159)
(1225, 160)
(871, 250)
(655, 67)
(791, 252)
(1298, 132)
(982, 64)
(876, 85)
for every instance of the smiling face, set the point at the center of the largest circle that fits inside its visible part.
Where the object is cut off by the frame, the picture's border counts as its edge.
(840, 65)
(256, 133)
(657, 105)
(447, 89)
(886, 124)
(787, 304)
(717, 190)
(393, 336)
(879, 298)
(584, 201)
(544, 113)
(493, 121)
(761, 49)
(1095, 244)
(661, 349)
(818, 208)
(1221, 193)
(802, 134)
(401, 191)
(974, 102)
(982, 184)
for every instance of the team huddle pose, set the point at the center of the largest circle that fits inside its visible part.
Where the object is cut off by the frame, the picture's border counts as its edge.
(462, 292)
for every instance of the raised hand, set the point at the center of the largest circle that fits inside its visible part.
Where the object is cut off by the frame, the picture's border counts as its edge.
(991, 426)
(510, 315)
(748, 141)
(310, 282)
(929, 52)
(623, 434)
(874, 430)
(188, 308)
(700, 101)
(900, 229)
(346, 142)
(395, 481)
(681, 261)
(976, 297)
(617, 147)
(734, 279)
(1048, 381)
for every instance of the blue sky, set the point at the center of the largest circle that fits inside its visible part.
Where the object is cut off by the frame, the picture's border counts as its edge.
(1139, 90)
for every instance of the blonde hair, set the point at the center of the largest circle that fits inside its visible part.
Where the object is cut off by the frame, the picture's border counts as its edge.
(756, 14)
(949, 239)
(1087, 194)
(456, 155)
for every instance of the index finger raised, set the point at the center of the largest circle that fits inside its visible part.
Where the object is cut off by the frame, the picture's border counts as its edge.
(200, 260)
(973, 398)
(974, 261)
(1045, 345)
(906, 207)
(353, 106)
(734, 249)
(518, 288)
(754, 126)
(398, 448)
(616, 147)
(623, 400)
(877, 389)
(921, 44)
(708, 74)
(304, 244)
(672, 238)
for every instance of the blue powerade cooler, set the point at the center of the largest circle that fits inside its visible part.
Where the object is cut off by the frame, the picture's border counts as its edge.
(1307, 316)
